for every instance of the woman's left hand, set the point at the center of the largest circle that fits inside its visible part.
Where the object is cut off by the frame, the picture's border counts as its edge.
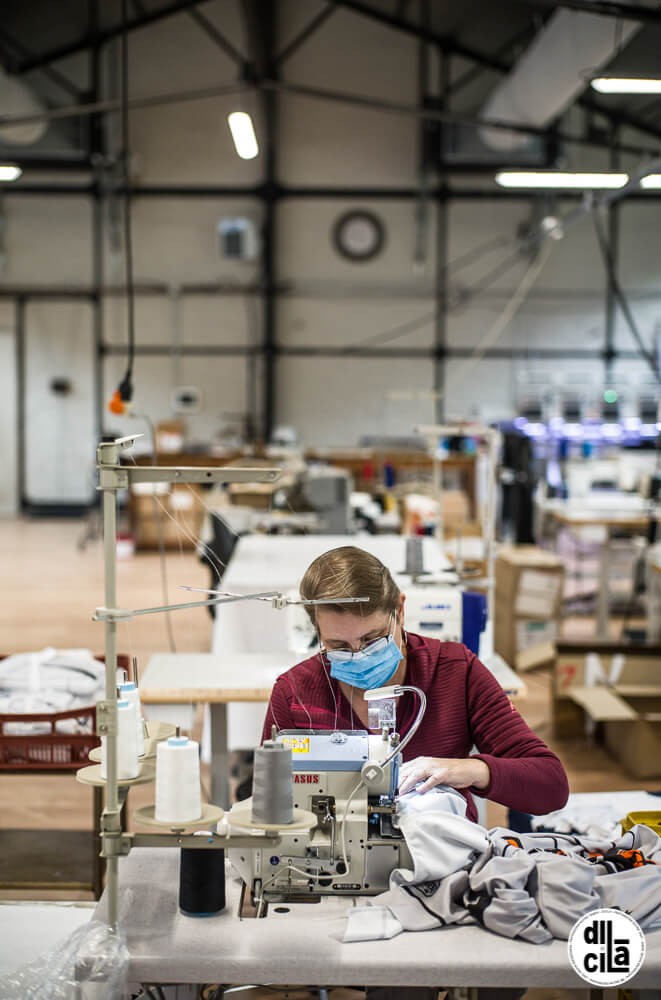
(464, 772)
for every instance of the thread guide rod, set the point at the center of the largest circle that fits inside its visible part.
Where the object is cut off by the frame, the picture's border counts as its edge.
(112, 477)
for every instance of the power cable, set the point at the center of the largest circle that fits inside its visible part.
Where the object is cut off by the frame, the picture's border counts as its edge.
(124, 392)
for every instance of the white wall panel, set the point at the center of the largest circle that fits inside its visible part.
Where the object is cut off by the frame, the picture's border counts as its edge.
(170, 321)
(174, 241)
(331, 143)
(352, 322)
(8, 428)
(482, 392)
(187, 142)
(60, 437)
(48, 241)
(638, 272)
(331, 402)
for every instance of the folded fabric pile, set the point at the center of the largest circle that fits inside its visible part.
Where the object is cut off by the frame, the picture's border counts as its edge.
(531, 886)
(49, 680)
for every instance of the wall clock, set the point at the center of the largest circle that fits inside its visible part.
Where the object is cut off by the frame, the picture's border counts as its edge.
(359, 235)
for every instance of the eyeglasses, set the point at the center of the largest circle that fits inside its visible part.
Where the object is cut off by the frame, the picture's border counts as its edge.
(368, 647)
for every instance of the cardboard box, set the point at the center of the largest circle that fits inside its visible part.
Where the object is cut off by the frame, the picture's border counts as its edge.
(618, 687)
(528, 601)
(173, 514)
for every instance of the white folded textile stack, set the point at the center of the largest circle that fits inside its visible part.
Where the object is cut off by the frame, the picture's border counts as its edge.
(49, 680)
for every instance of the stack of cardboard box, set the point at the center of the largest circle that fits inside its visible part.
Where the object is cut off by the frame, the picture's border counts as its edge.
(613, 691)
(529, 583)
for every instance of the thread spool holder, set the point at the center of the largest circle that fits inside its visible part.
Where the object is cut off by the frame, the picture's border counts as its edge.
(113, 476)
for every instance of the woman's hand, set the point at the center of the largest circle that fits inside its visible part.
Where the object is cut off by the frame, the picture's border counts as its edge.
(431, 771)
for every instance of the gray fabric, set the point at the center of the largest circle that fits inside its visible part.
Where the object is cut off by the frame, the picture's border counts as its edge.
(565, 891)
(530, 886)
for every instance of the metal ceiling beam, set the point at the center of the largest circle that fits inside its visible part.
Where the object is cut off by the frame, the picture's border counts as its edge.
(521, 37)
(217, 36)
(62, 51)
(602, 8)
(53, 74)
(304, 34)
(316, 93)
(448, 117)
(260, 17)
(450, 45)
(408, 27)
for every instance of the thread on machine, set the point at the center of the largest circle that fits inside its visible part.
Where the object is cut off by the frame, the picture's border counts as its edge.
(128, 765)
(272, 785)
(201, 880)
(178, 798)
(414, 558)
(128, 691)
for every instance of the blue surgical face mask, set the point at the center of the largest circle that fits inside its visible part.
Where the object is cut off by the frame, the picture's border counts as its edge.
(372, 667)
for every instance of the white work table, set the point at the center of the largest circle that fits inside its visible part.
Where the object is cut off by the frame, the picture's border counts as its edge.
(303, 945)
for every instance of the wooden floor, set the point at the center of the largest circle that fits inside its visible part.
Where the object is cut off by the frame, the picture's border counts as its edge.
(51, 582)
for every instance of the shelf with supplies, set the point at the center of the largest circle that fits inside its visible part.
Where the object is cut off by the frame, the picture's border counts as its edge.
(368, 465)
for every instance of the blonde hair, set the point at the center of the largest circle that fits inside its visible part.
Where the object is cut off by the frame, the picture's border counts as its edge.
(349, 572)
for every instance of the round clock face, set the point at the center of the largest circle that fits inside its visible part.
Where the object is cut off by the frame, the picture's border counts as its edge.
(358, 235)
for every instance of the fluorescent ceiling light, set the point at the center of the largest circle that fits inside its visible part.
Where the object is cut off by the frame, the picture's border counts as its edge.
(651, 181)
(8, 172)
(243, 134)
(558, 179)
(626, 85)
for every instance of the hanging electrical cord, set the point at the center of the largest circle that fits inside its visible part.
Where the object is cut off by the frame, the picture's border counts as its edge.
(622, 300)
(124, 392)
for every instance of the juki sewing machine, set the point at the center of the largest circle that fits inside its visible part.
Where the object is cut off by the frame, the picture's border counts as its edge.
(348, 779)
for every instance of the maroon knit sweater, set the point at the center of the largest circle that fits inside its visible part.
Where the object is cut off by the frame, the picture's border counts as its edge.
(466, 708)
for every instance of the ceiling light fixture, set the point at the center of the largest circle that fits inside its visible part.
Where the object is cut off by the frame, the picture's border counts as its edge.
(8, 172)
(626, 85)
(652, 181)
(554, 179)
(243, 134)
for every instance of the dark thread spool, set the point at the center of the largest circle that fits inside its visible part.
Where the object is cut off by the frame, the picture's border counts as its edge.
(201, 881)
(414, 556)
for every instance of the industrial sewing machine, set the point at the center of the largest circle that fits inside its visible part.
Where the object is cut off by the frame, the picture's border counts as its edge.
(348, 779)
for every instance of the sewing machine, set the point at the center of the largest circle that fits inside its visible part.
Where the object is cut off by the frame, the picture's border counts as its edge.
(348, 780)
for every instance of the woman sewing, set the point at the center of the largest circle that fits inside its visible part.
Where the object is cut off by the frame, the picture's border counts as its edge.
(471, 737)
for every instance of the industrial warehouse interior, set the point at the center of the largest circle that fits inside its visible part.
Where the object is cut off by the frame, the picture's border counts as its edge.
(330, 358)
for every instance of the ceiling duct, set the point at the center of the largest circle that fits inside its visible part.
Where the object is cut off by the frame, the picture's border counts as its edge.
(571, 47)
(17, 99)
